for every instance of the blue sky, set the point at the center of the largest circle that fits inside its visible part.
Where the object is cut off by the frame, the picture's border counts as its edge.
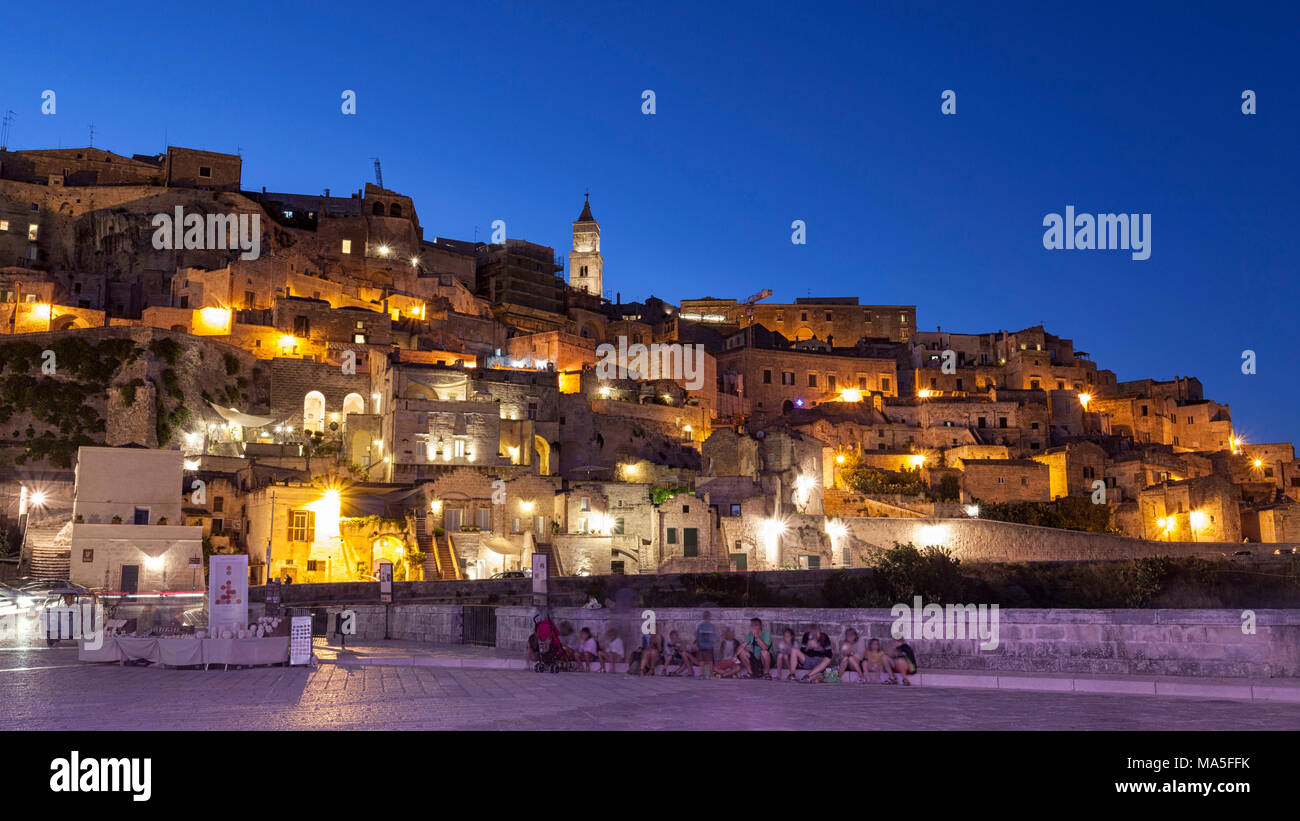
(767, 113)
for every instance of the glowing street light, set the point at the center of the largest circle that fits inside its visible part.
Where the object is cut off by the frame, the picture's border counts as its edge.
(851, 395)
(1084, 399)
(923, 393)
(973, 511)
(917, 460)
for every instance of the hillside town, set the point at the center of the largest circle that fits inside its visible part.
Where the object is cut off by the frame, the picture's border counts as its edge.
(191, 366)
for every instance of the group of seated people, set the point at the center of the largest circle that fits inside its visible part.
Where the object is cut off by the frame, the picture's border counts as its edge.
(757, 655)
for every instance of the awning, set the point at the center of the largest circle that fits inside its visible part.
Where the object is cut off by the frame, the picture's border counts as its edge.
(237, 417)
(500, 544)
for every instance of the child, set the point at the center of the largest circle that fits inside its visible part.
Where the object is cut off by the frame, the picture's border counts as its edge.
(729, 663)
(649, 656)
(784, 650)
(613, 652)
(850, 653)
(673, 655)
(874, 661)
(587, 649)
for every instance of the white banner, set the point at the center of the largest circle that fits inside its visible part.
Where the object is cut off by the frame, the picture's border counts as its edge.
(227, 593)
(300, 640)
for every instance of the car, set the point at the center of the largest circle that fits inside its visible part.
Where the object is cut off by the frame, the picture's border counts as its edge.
(511, 574)
(14, 602)
(1283, 551)
(45, 585)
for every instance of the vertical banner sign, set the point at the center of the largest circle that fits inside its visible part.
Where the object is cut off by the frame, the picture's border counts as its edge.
(540, 571)
(227, 593)
(273, 597)
(300, 640)
(385, 582)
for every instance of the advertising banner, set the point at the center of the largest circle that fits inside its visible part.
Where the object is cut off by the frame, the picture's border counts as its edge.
(227, 593)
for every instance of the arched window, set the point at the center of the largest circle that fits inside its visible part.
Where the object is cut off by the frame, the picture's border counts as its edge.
(394, 210)
(313, 411)
(353, 403)
(377, 209)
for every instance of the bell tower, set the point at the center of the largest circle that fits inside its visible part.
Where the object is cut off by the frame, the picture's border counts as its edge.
(585, 262)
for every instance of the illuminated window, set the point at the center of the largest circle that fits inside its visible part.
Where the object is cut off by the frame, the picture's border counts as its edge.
(4, 225)
(302, 526)
(347, 246)
(31, 231)
(459, 446)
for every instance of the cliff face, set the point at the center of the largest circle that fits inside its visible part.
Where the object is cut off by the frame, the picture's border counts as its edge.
(114, 386)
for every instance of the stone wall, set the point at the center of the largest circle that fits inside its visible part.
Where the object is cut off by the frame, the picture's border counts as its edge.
(1200, 643)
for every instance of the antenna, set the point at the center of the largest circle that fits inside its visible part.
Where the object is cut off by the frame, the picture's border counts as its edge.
(92, 135)
(379, 174)
(4, 129)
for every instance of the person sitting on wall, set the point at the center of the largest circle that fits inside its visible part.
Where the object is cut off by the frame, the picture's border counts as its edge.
(613, 652)
(645, 660)
(587, 649)
(729, 663)
(758, 646)
(851, 653)
(903, 662)
(784, 649)
(813, 654)
(875, 664)
(674, 654)
(701, 652)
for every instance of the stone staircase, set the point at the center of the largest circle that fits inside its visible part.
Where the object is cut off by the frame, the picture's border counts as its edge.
(49, 549)
(447, 568)
(553, 565)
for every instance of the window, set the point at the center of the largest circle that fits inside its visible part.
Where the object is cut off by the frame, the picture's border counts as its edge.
(141, 516)
(619, 526)
(690, 542)
(360, 339)
(302, 526)
(532, 410)
(960, 387)
(1001, 481)
(586, 504)
(4, 225)
(301, 326)
(205, 171)
(1144, 410)
(735, 509)
(767, 377)
(828, 316)
(514, 525)
(1024, 481)
(32, 230)
(884, 383)
(1033, 384)
(672, 535)
(347, 246)
(458, 448)
(803, 316)
(616, 568)
(1033, 426)
(862, 383)
(686, 508)
(218, 502)
(1060, 386)
(1268, 473)
(483, 518)
(982, 422)
(787, 377)
(812, 380)
(88, 554)
(830, 382)
(1002, 422)
(314, 565)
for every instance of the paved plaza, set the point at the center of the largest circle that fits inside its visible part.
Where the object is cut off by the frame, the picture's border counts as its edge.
(44, 688)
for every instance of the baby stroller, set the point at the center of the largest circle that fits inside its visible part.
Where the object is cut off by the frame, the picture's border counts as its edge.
(546, 643)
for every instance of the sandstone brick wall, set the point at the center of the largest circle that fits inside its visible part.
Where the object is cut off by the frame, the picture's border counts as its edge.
(1197, 643)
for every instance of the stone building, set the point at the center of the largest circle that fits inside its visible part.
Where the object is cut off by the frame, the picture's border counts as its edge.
(127, 532)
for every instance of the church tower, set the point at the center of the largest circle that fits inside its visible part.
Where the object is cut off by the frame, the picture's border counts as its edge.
(585, 262)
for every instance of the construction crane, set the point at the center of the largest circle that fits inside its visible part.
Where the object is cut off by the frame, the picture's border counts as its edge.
(749, 304)
(379, 174)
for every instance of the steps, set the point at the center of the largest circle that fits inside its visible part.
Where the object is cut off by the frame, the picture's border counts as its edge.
(447, 569)
(49, 548)
(553, 566)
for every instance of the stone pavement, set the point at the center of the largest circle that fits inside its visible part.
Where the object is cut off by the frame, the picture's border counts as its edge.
(418, 654)
(44, 688)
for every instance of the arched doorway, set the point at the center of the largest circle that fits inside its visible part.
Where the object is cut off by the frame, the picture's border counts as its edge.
(388, 549)
(313, 411)
(543, 455)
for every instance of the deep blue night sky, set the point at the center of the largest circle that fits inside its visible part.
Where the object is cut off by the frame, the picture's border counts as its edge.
(766, 113)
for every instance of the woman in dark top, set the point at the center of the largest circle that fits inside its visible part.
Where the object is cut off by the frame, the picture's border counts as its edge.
(904, 662)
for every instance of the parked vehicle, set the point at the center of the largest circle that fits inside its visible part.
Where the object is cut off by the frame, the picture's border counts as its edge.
(15, 602)
(1283, 551)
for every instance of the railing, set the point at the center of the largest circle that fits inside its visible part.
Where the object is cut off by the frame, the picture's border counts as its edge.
(479, 625)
